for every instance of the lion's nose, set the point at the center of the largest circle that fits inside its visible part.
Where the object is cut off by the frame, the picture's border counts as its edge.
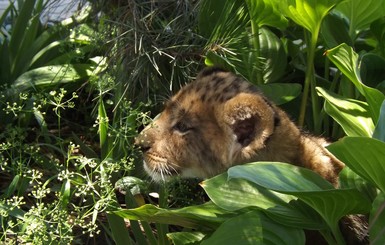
(142, 142)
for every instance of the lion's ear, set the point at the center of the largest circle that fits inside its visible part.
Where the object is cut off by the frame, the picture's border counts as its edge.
(250, 117)
(244, 127)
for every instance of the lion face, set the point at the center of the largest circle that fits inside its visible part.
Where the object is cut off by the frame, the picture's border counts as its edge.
(211, 124)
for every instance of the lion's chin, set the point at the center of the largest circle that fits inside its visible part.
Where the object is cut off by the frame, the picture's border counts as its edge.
(159, 172)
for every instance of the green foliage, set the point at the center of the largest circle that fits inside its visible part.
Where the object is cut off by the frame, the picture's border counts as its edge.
(37, 58)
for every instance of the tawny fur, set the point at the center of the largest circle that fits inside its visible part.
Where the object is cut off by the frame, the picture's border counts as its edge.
(221, 120)
(229, 122)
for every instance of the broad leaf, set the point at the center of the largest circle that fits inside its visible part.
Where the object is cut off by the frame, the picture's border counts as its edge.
(379, 132)
(281, 93)
(236, 194)
(377, 221)
(118, 229)
(206, 216)
(365, 156)
(332, 204)
(273, 56)
(266, 12)
(361, 13)
(282, 177)
(186, 238)
(335, 30)
(378, 29)
(352, 115)
(349, 179)
(372, 69)
(50, 75)
(347, 62)
(307, 13)
(254, 228)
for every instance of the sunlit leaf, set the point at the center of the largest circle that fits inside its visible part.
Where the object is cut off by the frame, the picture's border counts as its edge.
(50, 75)
(281, 93)
(365, 156)
(352, 115)
(266, 12)
(332, 204)
(361, 13)
(186, 238)
(254, 228)
(236, 194)
(348, 63)
(273, 56)
(307, 13)
(206, 216)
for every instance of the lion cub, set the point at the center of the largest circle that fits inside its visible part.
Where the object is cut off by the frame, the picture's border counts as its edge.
(221, 120)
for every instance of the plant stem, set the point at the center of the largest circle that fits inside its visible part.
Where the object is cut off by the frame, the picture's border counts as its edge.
(310, 84)
(256, 48)
(162, 228)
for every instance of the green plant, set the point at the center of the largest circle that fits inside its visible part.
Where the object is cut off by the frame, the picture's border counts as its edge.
(36, 57)
(54, 188)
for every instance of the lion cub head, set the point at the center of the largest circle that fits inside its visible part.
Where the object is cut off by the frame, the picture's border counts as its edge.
(212, 123)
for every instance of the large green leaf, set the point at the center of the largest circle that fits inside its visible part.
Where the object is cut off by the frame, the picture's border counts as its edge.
(361, 13)
(307, 13)
(378, 29)
(186, 238)
(236, 194)
(379, 131)
(332, 204)
(335, 30)
(118, 229)
(266, 12)
(352, 115)
(206, 216)
(272, 54)
(281, 93)
(254, 228)
(372, 69)
(365, 156)
(49, 76)
(348, 63)
(349, 179)
(377, 221)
